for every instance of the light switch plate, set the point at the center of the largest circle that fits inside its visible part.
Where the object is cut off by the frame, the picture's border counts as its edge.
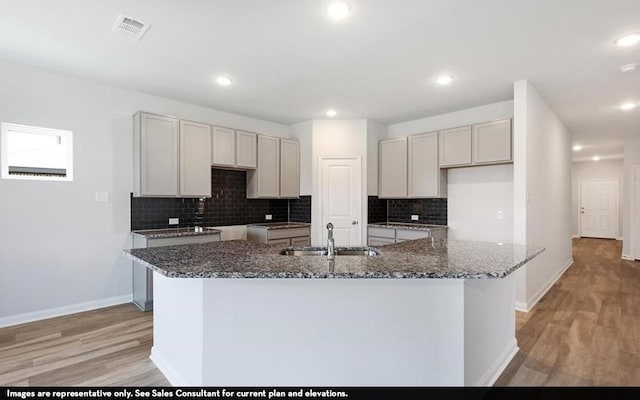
(174, 221)
(500, 214)
(268, 217)
(102, 197)
(415, 217)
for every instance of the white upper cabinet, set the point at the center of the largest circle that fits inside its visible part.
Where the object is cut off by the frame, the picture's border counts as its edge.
(156, 143)
(392, 168)
(264, 181)
(455, 147)
(425, 178)
(492, 142)
(246, 150)
(289, 168)
(195, 159)
(224, 147)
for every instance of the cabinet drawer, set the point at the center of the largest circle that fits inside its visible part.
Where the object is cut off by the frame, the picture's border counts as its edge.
(182, 240)
(281, 242)
(288, 233)
(378, 241)
(382, 232)
(406, 234)
(301, 241)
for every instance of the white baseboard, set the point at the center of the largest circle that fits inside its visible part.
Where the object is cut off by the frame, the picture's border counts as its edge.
(627, 257)
(575, 236)
(533, 300)
(64, 310)
(619, 238)
(173, 376)
(499, 365)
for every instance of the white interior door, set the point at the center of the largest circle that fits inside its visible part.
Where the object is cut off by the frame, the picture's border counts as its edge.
(635, 213)
(341, 180)
(599, 208)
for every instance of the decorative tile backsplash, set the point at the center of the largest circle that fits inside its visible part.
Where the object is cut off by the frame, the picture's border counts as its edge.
(430, 211)
(227, 206)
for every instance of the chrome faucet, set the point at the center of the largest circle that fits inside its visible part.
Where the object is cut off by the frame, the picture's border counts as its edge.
(331, 244)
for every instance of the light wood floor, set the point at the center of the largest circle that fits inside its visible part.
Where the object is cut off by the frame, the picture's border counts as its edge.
(585, 331)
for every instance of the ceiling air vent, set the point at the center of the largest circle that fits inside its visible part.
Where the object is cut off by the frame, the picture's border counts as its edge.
(130, 26)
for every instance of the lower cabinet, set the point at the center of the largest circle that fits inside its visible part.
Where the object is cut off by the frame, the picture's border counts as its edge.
(295, 236)
(143, 276)
(381, 236)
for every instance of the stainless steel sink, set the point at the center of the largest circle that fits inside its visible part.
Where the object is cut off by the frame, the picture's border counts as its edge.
(322, 251)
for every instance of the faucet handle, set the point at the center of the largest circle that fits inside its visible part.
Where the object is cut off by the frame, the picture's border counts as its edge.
(329, 225)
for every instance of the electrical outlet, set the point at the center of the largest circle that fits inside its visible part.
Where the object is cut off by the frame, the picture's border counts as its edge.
(268, 217)
(500, 214)
(174, 221)
(415, 217)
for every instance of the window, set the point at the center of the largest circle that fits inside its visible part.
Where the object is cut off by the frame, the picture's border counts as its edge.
(29, 152)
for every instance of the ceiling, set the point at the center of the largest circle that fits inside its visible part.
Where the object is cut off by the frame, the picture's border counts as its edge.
(290, 62)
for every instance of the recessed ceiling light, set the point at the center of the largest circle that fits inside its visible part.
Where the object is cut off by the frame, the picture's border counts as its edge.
(629, 67)
(331, 113)
(628, 40)
(339, 10)
(443, 80)
(223, 81)
(577, 147)
(595, 158)
(628, 106)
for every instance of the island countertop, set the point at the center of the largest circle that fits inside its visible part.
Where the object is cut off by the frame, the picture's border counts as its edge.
(415, 259)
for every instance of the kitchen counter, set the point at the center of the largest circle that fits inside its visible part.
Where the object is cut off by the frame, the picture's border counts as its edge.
(280, 225)
(416, 259)
(175, 232)
(406, 225)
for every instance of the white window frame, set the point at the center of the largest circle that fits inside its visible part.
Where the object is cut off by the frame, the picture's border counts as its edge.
(4, 156)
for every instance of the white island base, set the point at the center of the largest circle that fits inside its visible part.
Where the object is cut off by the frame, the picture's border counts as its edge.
(333, 332)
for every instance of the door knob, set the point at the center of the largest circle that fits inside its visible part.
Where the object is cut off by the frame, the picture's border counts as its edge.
(354, 222)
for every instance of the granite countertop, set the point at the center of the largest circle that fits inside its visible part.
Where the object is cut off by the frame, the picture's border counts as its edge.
(175, 232)
(415, 259)
(407, 225)
(280, 225)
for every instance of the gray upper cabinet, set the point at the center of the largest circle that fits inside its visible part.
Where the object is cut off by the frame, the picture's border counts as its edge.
(425, 178)
(289, 168)
(246, 150)
(492, 142)
(264, 181)
(156, 144)
(455, 147)
(224, 147)
(392, 168)
(195, 159)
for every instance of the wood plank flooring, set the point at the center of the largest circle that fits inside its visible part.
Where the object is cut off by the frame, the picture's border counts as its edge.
(584, 331)
(105, 347)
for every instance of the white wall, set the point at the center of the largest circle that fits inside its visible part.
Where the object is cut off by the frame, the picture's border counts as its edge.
(542, 192)
(375, 132)
(609, 169)
(304, 133)
(475, 196)
(337, 138)
(631, 158)
(59, 249)
(488, 112)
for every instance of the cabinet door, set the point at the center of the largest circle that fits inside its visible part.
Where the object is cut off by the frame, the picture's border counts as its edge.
(246, 152)
(158, 155)
(289, 168)
(264, 181)
(392, 168)
(224, 147)
(195, 159)
(455, 147)
(492, 142)
(425, 177)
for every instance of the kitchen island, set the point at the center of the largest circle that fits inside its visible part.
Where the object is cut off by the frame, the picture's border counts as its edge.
(422, 313)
